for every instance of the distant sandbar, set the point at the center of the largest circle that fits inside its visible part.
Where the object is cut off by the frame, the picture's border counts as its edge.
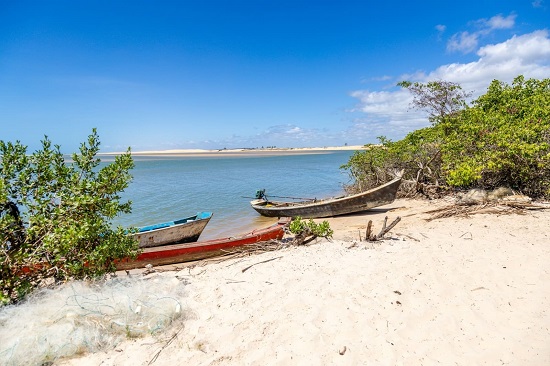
(241, 152)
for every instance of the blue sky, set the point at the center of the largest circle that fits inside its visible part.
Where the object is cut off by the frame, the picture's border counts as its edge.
(157, 75)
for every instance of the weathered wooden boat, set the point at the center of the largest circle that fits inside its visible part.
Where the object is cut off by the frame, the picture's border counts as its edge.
(178, 231)
(186, 252)
(381, 195)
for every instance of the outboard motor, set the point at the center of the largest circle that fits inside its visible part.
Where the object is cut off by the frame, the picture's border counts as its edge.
(261, 194)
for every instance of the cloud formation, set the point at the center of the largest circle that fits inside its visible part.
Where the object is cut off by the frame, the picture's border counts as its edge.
(467, 42)
(527, 55)
(388, 111)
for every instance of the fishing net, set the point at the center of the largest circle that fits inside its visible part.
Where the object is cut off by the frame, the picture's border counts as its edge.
(81, 317)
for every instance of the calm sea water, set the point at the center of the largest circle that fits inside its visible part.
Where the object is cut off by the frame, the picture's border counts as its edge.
(168, 188)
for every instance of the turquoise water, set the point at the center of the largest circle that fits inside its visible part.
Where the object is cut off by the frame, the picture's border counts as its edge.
(168, 188)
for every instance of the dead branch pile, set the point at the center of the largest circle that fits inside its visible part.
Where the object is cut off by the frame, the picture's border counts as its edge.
(415, 189)
(501, 208)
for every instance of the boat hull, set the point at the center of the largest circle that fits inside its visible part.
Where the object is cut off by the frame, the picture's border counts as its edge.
(180, 231)
(179, 253)
(379, 196)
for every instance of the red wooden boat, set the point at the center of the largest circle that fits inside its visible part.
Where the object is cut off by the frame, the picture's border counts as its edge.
(179, 253)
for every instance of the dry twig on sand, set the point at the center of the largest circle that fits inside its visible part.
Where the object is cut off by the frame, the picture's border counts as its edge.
(174, 336)
(252, 265)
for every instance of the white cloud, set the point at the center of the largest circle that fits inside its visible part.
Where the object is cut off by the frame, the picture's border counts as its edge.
(464, 42)
(529, 48)
(467, 42)
(499, 22)
(440, 30)
(388, 111)
(380, 78)
(287, 135)
(381, 103)
(287, 132)
(527, 55)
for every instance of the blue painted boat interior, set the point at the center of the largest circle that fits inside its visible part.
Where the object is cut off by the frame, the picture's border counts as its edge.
(203, 215)
(198, 216)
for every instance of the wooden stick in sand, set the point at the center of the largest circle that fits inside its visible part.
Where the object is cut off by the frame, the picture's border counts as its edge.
(385, 229)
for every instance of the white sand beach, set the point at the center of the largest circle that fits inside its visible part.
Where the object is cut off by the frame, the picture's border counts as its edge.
(452, 291)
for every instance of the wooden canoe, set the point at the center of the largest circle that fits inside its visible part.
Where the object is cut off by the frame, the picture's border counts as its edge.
(179, 253)
(178, 231)
(375, 197)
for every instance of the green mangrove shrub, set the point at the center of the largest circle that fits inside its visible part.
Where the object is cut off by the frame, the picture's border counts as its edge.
(502, 139)
(306, 231)
(55, 215)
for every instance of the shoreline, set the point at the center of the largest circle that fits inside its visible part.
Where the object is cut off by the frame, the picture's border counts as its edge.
(455, 290)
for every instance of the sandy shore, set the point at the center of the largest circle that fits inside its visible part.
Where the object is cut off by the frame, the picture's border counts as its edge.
(241, 152)
(465, 291)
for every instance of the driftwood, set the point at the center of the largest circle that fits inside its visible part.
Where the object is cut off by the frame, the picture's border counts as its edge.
(369, 236)
(304, 238)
